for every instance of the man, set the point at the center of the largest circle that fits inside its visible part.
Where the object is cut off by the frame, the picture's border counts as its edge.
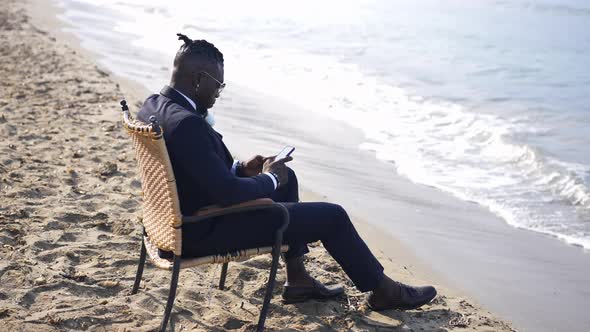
(206, 174)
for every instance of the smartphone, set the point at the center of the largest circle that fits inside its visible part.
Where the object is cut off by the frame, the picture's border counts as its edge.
(285, 152)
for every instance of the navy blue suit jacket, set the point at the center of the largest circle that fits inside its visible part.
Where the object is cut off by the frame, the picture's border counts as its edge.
(200, 160)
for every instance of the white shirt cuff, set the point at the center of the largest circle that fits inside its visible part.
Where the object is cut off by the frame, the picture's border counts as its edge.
(234, 167)
(272, 177)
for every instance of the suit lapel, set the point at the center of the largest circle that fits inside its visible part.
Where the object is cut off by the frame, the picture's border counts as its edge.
(228, 156)
(176, 97)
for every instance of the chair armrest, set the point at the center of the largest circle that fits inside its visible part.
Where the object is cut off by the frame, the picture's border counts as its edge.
(254, 205)
(207, 210)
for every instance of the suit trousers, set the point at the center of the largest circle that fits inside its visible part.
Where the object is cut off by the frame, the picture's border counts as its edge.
(309, 222)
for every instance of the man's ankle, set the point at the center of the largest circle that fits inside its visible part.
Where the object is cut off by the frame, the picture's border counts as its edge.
(388, 288)
(297, 273)
(300, 281)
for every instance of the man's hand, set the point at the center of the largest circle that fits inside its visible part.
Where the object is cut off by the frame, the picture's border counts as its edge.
(253, 166)
(278, 168)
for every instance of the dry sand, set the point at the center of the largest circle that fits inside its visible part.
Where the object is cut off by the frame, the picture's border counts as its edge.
(69, 206)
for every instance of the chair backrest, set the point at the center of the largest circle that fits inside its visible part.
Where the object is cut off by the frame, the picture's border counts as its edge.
(161, 207)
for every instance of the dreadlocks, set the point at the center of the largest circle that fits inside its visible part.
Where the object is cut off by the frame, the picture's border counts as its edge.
(200, 48)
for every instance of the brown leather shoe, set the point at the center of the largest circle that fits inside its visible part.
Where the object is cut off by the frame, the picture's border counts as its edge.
(294, 294)
(410, 298)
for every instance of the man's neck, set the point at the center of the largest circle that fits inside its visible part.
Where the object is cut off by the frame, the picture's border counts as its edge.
(182, 89)
(185, 94)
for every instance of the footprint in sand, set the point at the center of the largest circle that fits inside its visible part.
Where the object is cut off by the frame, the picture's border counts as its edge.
(234, 324)
(74, 217)
(67, 286)
(46, 245)
(104, 237)
(11, 236)
(247, 275)
(37, 193)
(68, 237)
(51, 257)
(123, 227)
(119, 263)
(135, 184)
(54, 225)
(194, 296)
(129, 204)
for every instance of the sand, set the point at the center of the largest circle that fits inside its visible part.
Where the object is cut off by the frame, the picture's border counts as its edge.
(69, 210)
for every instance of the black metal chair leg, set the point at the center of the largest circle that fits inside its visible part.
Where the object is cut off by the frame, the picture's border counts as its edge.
(172, 294)
(276, 253)
(139, 268)
(269, 287)
(223, 275)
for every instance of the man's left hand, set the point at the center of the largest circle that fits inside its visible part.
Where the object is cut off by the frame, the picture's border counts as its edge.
(253, 166)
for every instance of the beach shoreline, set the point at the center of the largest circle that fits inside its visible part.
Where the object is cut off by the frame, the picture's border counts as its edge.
(69, 217)
(135, 93)
(33, 285)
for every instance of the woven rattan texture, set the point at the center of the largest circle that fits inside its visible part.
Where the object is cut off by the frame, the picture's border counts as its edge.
(161, 210)
(240, 255)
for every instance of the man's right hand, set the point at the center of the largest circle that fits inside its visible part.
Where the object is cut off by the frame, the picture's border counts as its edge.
(278, 168)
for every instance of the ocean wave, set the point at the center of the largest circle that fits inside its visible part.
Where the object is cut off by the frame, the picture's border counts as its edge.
(548, 7)
(477, 156)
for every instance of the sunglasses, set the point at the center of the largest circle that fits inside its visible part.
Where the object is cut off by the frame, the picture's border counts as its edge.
(220, 85)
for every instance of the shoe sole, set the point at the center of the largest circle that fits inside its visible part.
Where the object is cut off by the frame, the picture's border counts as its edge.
(309, 298)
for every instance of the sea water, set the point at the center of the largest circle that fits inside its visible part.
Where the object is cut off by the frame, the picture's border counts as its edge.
(487, 100)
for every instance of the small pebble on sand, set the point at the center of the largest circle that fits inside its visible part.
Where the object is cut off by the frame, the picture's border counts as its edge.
(108, 169)
(40, 281)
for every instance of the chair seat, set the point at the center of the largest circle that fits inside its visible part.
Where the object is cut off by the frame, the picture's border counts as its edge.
(240, 255)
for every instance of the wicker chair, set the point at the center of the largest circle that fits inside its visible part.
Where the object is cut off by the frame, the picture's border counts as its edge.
(163, 222)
